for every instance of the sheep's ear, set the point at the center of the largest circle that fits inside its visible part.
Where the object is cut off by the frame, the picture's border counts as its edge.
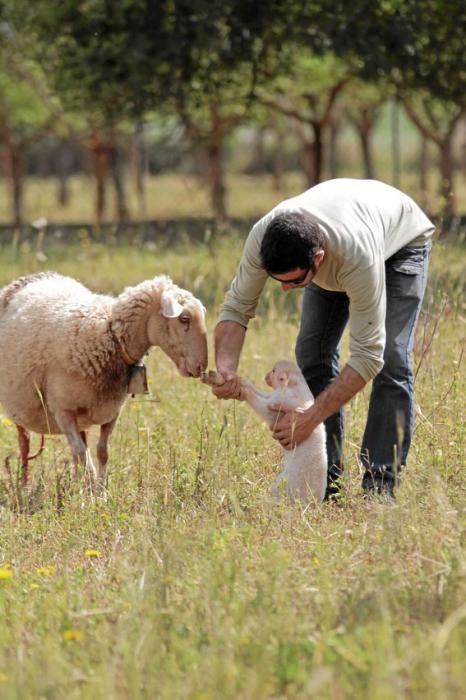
(170, 306)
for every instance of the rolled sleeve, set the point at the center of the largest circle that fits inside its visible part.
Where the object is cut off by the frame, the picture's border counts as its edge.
(367, 296)
(243, 295)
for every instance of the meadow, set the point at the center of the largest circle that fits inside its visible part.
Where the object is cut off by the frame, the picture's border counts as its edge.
(188, 582)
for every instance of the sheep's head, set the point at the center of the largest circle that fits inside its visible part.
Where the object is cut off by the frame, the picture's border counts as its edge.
(282, 375)
(184, 335)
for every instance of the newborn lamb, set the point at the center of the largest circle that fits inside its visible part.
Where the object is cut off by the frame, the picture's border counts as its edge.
(305, 466)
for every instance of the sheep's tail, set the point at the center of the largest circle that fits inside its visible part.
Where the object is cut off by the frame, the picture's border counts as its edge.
(40, 450)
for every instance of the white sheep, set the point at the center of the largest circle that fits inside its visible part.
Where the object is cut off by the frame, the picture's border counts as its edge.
(68, 355)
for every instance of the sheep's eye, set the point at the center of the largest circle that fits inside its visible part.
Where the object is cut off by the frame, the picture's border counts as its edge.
(185, 318)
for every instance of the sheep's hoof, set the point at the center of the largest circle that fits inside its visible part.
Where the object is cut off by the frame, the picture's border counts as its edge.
(100, 491)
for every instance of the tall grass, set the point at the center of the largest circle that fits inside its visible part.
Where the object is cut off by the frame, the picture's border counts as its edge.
(188, 582)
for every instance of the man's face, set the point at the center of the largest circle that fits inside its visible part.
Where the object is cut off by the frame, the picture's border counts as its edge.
(299, 277)
(294, 279)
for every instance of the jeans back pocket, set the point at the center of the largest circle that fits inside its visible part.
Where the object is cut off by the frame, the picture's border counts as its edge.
(409, 261)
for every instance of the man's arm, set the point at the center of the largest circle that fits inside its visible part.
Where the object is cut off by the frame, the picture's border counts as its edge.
(228, 341)
(296, 426)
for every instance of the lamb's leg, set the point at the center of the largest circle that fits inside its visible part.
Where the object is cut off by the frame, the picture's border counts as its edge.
(258, 401)
(249, 393)
(102, 453)
(77, 441)
(24, 443)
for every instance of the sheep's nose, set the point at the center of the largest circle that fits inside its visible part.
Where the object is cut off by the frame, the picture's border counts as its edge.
(196, 372)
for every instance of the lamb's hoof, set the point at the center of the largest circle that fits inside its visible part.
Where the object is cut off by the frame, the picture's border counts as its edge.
(212, 378)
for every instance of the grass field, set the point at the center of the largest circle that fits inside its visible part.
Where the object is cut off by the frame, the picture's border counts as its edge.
(187, 582)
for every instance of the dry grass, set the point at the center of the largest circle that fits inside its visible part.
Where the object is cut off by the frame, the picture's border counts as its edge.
(187, 583)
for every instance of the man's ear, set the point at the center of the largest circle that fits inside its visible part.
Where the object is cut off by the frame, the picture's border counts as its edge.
(318, 258)
(169, 305)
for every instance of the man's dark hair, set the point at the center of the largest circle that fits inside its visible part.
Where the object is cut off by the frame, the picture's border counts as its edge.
(291, 240)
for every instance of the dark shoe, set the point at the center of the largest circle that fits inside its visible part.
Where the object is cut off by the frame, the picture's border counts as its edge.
(334, 474)
(379, 481)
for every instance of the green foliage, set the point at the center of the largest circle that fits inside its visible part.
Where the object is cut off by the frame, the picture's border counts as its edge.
(21, 103)
(21, 106)
(413, 43)
(138, 55)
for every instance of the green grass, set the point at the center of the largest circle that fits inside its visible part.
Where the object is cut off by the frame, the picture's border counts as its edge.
(188, 583)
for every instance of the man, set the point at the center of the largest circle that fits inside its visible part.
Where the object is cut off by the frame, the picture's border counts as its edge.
(360, 249)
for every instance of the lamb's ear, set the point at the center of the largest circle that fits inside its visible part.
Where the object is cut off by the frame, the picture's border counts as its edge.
(169, 305)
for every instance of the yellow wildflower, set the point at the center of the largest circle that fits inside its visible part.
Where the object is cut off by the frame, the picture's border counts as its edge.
(7, 422)
(5, 572)
(92, 553)
(72, 635)
(47, 570)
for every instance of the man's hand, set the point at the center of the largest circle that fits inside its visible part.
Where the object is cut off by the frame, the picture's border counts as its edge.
(293, 427)
(231, 387)
(225, 385)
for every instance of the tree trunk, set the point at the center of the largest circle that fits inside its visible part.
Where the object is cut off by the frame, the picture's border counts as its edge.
(396, 159)
(99, 154)
(4, 163)
(446, 173)
(308, 162)
(317, 152)
(306, 154)
(333, 161)
(64, 166)
(257, 159)
(463, 148)
(278, 160)
(216, 166)
(423, 172)
(364, 129)
(16, 174)
(140, 166)
(116, 173)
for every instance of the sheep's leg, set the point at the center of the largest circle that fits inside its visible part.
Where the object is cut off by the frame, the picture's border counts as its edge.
(24, 443)
(102, 453)
(77, 441)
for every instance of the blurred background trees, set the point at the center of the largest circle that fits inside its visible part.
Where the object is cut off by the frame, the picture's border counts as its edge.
(119, 91)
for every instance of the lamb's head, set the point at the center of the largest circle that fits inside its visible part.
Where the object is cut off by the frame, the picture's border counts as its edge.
(282, 375)
(183, 334)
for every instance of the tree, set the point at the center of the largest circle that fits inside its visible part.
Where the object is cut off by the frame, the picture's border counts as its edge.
(362, 104)
(437, 121)
(308, 93)
(27, 112)
(117, 61)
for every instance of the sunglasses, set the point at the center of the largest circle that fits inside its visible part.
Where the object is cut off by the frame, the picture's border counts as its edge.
(293, 282)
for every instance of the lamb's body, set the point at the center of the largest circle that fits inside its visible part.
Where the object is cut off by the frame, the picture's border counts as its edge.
(305, 466)
(66, 353)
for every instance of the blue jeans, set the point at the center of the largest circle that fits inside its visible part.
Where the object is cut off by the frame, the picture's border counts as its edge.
(389, 427)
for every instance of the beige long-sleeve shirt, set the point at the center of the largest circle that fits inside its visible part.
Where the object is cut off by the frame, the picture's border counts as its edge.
(364, 222)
